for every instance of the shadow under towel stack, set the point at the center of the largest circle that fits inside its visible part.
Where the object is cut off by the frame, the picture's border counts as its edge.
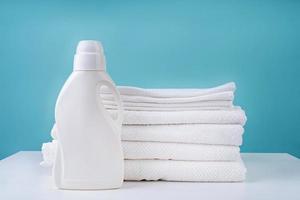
(178, 134)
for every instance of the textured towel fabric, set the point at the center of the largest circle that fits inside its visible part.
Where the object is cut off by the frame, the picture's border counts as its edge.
(165, 151)
(174, 105)
(184, 171)
(227, 116)
(112, 109)
(48, 153)
(179, 151)
(221, 96)
(170, 170)
(185, 133)
(177, 134)
(213, 105)
(173, 93)
(182, 133)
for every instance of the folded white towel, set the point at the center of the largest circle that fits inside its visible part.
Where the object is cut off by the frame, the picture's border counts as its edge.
(179, 151)
(170, 170)
(219, 134)
(185, 133)
(172, 93)
(164, 151)
(166, 109)
(174, 105)
(220, 96)
(205, 105)
(137, 170)
(225, 116)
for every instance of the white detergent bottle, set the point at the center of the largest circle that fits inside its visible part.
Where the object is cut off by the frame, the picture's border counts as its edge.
(89, 154)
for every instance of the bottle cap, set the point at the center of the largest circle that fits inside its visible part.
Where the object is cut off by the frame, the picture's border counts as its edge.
(89, 56)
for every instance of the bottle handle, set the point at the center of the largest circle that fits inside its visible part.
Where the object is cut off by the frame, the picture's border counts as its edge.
(119, 119)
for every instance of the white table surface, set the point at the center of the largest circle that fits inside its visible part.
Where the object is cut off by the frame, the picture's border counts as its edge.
(270, 176)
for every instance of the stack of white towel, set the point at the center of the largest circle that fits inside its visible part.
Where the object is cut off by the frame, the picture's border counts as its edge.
(178, 134)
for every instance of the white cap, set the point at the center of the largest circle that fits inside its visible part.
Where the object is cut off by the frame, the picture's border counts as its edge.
(89, 56)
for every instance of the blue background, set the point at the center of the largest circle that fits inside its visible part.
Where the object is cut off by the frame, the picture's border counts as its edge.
(154, 44)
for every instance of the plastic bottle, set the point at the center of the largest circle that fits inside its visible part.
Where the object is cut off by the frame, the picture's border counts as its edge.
(89, 152)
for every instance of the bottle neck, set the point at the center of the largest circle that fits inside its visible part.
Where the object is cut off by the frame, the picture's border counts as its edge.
(89, 62)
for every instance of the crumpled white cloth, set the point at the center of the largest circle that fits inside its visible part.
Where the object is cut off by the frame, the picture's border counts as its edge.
(48, 153)
(162, 151)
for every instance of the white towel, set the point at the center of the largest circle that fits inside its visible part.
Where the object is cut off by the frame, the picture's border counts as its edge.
(172, 93)
(48, 153)
(219, 134)
(164, 151)
(170, 170)
(206, 105)
(220, 96)
(137, 170)
(179, 151)
(226, 116)
(174, 105)
(185, 133)
(110, 109)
